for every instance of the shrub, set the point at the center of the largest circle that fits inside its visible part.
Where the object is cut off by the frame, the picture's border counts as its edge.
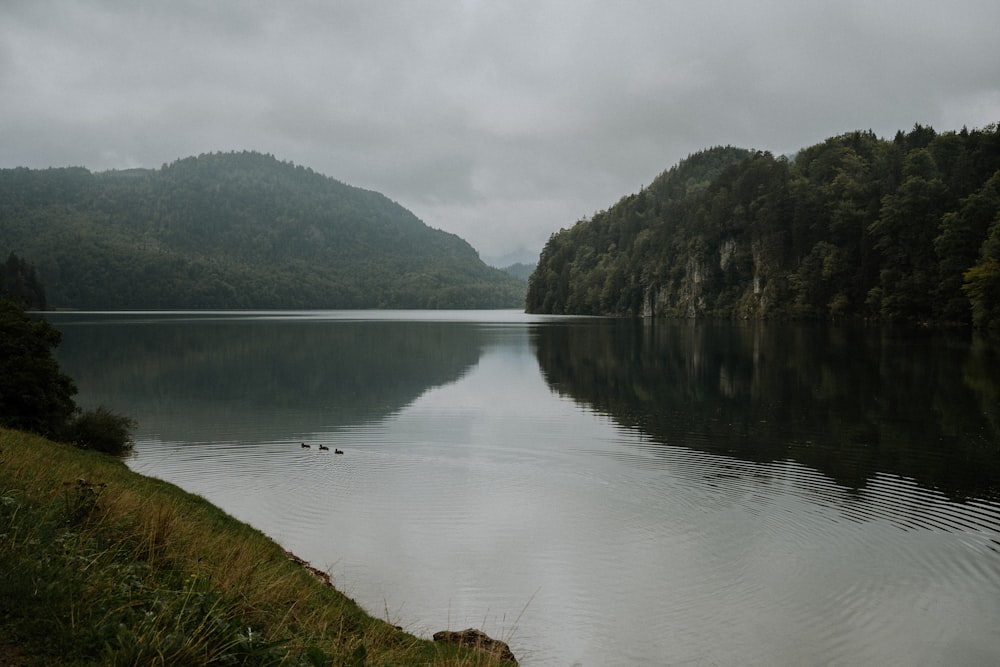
(36, 396)
(101, 430)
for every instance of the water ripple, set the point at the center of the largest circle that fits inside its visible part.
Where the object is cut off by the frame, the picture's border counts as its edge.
(798, 568)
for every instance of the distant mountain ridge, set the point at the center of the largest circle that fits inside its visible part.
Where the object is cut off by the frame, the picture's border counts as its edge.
(231, 231)
(520, 270)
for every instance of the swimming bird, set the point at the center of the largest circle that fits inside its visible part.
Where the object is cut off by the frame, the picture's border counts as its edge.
(338, 451)
(304, 445)
(324, 448)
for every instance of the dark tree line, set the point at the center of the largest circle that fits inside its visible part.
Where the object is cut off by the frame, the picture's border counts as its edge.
(904, 230)
(234, 230)
(19, 282)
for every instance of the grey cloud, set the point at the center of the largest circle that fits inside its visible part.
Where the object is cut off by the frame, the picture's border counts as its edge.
(501, 122)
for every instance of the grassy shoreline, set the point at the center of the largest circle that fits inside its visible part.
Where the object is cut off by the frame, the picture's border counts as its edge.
(102, 566)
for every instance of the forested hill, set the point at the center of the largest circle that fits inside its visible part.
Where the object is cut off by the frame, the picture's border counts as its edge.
(234, 230)
(906, 229)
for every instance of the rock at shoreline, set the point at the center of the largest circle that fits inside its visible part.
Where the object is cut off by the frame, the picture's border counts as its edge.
(480, 640)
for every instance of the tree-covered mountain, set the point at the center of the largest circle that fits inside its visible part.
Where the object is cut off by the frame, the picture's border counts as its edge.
(906, 229)
(234, 230)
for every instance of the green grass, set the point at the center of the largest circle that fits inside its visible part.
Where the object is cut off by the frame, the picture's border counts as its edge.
(102, 566)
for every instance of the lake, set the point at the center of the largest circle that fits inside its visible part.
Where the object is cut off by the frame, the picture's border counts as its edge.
(594, 491)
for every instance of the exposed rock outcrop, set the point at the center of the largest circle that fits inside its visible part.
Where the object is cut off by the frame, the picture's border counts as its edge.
(480, 640)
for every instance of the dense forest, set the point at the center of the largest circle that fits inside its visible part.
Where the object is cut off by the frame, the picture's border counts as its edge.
(901, 230)
(234, 230)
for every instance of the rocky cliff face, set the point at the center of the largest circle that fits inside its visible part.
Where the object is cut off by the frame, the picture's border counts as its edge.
(746, 292)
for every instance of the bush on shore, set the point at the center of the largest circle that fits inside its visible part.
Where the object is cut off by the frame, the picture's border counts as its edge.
(36, 396)
(101, 430)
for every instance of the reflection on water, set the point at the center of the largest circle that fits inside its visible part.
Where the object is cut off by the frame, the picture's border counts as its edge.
(180, 374)
(597, 491)
(846, 401)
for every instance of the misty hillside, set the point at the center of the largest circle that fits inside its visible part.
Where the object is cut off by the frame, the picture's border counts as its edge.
(902, 230)
(234, 230)
(520, 270)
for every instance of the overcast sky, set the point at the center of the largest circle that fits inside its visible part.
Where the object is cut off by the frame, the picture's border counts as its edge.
(500, 121)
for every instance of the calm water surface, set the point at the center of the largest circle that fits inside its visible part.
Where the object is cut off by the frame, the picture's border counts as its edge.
(595, 491)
